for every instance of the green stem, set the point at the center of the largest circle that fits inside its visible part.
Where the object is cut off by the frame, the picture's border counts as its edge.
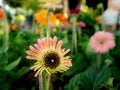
(34, 25)
(74, 34)
(75, 39)
(79, 31)
(47, 27)
(6, 32)
(42, 32)
(99, 61)
(40, 82)
(46, 81)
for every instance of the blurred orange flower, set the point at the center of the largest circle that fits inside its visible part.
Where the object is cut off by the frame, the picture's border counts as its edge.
(77, 24)
(38, 31)
(61, 18)
(14, 27)
(1, 13)
(41, 17)
(98, 19)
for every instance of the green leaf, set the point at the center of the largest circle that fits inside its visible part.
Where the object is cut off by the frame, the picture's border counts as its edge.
(101, 78)
(20, 73)
(12, 65)
(90, 53)
(115, 72)
(74, 82)
(87, 80)
(90, 79)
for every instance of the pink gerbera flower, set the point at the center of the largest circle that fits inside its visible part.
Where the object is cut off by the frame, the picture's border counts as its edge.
(49, 55)
(102, 42)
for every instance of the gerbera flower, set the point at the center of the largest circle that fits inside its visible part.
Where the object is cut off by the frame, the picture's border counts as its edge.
(41, 17)
(102, 42)
(1, 13)
(49, 55)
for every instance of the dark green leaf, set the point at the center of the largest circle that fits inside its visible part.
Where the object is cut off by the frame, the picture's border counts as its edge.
(12, 65)
(101, 78)
(22, 71)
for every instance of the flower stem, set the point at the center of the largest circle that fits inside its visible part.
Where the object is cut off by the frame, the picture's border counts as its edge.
(46, 81)
(40, 82)
(42, 32)
(99, 61)
(6, 32)
(74, 32)
(79, 31)
(47, 27)
(75, 39)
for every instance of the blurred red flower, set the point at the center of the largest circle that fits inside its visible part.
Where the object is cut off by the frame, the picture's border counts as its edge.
(74, 11)
(61, 18)
(1, 13)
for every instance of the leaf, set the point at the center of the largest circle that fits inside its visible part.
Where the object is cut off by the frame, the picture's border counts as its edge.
(87, 80)
(101, 78)
(115, 72)
(74, 82)
(90, 53)
(13, 64)
(20, 73)
(4, 49)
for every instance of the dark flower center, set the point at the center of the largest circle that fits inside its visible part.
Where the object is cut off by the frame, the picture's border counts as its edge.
(52, 60)
(102, 42)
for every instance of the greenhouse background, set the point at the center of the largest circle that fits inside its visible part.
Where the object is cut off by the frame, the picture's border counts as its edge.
(59, 44)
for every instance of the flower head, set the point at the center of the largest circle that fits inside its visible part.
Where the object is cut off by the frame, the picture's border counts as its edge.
(49, 55)
(38, 31)
(81, 23)
(1, 13)
(74, 11)
(41, 17)
(61, 18)
(98, 19)
(14, 27)
(102, 42)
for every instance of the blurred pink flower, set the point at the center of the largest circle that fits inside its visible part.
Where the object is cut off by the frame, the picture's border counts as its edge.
(49, 56)
(82, 24)
(102, 42)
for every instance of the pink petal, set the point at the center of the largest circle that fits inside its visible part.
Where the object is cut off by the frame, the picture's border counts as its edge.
(31, 58)
(54, 41)
(59, 45)
(30, 53)
(37, 46)
(67, 51)
(68, 63)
